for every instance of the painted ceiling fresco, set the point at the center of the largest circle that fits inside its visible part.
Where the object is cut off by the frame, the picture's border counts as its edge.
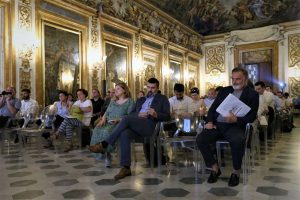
(218, 16)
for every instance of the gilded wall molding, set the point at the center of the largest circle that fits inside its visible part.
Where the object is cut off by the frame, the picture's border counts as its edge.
(94, 32)
(25, 17)
(294, 50)
(209, 85)
(138, 73)
(25, 52)
(137, 44)
(165, 68)
(215, 59)
(294, 88)
(95, 44)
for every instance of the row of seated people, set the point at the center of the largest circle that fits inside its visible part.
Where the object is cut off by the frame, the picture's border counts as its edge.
(156, 107)
(139, 119)
(10, 106)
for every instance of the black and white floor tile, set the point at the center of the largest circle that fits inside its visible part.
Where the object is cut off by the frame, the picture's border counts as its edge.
(45, 175)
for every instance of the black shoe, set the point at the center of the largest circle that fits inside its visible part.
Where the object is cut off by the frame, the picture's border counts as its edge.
(213, 177)
(234, 180)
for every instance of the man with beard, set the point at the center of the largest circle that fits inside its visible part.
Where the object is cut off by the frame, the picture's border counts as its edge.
(29, 106)
(141, 123)
(181, 105)
(230, 128)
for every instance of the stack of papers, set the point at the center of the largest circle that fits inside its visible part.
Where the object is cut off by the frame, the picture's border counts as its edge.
(233, 104)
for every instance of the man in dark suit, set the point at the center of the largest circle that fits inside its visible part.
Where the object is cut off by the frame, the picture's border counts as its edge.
(231, 128)
(141, 123)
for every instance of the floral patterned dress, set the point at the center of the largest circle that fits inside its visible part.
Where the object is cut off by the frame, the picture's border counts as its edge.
(114, 111)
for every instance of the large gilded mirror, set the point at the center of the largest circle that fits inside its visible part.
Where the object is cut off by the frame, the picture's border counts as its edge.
(175, 75)
(116, 64)
(192, 77)
(62, 60)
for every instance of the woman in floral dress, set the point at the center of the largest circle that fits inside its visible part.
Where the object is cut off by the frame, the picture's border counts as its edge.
(120, 106)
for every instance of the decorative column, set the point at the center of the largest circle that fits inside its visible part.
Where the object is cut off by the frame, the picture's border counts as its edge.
(293, 69)
(165, 70)
(25, 44)
(94, 59)
(137, 64)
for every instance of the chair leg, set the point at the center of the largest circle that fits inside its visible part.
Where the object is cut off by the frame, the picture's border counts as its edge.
(152, 153)
(218, 148)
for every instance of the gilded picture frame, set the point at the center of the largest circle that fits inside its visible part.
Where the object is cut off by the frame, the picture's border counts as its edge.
(117, 63)
(62, 60)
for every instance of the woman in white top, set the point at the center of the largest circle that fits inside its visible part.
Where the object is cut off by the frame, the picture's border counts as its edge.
(62, 108)
(71, 122)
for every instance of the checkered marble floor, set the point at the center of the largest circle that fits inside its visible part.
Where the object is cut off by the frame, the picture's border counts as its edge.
(43, 174)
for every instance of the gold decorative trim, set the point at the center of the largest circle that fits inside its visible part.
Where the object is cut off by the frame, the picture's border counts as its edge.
(137, 45)
(25, 17)
(26, 2)
(215, 59)
(25, 79)
(94, 32)
(209, 85)
(294, 88)
(25, 53)
(294, 50)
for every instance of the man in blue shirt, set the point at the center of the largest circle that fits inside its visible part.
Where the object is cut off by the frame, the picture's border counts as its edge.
(9, 105)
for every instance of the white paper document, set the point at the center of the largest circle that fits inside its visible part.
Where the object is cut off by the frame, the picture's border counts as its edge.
(233, 104)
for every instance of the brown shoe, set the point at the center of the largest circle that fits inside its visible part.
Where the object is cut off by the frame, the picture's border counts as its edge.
(97, 148)
(68, 146)
(123, 173)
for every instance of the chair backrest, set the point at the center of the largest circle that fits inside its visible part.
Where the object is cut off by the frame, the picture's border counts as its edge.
(47, 115)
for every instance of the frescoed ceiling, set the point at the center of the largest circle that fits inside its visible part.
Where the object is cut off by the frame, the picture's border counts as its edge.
(217, 16)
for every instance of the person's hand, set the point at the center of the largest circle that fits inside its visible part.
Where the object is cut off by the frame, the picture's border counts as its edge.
(101, 123)
(209, 125)
(152, 112)
(231, 118)
(143, 114)
(114, 122)
(8, 98)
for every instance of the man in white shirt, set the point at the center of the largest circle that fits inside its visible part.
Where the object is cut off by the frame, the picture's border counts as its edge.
(180, 104)
(28, 105)
(266, 104)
